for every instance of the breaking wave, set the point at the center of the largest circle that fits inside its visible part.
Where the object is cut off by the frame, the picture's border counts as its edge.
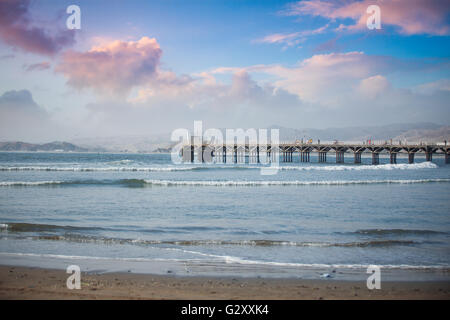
(232, 260)
(144, 182)
(413, 166)
(402, 166)
(29, 183)
(286, 182)
(195, 243)
(396, 232)
(93, 169)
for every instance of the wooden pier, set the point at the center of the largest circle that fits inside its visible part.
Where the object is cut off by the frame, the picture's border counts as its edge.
(288, 151)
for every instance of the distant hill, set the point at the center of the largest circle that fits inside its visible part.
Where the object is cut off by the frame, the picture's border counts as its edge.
(52, 146)
(162, 150)
(415, 132)
(410, 132)
(440, 134)
(128, 143)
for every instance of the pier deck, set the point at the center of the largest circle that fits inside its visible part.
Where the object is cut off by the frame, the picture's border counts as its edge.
(287, 151)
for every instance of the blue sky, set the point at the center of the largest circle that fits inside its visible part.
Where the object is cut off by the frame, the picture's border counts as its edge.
(141, 67)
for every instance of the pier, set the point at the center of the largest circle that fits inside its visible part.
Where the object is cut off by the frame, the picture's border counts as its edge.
(204, 152)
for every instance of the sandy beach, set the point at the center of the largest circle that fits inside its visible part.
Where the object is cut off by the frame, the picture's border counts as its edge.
(35, 283)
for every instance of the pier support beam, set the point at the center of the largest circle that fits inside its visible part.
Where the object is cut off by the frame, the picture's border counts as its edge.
(393, 157)
(304, 156)
(198, 152)
(322, 157)
(375, 158)
(287, 156)
(357, 156)
(339, 157)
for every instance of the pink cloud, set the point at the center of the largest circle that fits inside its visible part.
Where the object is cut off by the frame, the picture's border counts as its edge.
(279, 38)
(291, 39)
(410, 16)
(373, 86)
(37, 66)
(433, 87)
(18, 31)
(327, 78)
(116, 66)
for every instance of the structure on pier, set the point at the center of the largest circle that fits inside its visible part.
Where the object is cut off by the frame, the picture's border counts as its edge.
(265, 153)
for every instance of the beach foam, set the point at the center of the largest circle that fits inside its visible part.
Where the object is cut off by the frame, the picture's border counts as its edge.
(413, 166)
(28, 183)
(232, 260)
(219, 183)
(288, 183)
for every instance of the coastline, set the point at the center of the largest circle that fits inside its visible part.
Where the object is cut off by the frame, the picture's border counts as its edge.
(40, 283)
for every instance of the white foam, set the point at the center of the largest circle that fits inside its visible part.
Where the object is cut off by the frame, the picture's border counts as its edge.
(89, 169)
(28, 183)
(231, 260)
(224, 183)
(73, 257)
(285, 183)
(402, 166)
(413, 166)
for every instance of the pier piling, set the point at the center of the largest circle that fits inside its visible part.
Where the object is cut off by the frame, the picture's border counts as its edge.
(304, 156)
(375, 158)
(357, 156)
(204, 152)
(393, 158)
(322, 157)
(339, 156)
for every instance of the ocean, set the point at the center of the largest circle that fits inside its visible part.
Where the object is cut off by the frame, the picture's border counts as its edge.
(141, 213)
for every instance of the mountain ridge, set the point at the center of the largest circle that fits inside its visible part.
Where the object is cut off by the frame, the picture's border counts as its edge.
(416, 132)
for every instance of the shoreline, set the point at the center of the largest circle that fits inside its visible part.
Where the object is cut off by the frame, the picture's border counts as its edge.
(223, 269)
(41, 283)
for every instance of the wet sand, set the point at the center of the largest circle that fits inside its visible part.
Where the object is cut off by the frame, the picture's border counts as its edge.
(35, 283)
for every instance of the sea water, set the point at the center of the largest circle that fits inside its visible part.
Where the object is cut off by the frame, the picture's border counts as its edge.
(142, 213)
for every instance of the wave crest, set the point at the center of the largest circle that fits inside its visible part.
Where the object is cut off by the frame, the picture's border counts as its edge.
(405, 166)
(219, 183)
(286, 183)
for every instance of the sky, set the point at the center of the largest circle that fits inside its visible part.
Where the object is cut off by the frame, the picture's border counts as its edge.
(146, 67)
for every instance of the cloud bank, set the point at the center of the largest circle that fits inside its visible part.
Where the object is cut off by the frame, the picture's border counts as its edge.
(408, 16)
(21, 118)
(114, 67)
(18, 30)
